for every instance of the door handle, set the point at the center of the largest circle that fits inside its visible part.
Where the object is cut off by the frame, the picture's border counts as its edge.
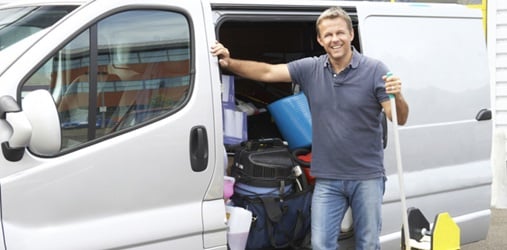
(198, 148)
(483, 115)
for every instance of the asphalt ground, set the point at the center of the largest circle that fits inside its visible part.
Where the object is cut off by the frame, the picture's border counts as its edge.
(497, 234)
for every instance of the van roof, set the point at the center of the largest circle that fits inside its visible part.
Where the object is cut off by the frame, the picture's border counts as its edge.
(232, 3)
(350, 3)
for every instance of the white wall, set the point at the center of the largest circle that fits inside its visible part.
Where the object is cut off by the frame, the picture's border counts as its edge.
(497, 49)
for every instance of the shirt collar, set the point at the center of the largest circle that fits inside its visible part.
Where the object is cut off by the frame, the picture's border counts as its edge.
(354, 63)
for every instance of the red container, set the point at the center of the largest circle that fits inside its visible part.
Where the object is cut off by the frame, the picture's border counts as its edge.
(304, 157)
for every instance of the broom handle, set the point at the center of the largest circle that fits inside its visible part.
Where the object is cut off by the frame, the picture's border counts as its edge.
(394, 119)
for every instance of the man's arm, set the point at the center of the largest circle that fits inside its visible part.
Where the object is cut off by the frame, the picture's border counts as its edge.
(258, 71)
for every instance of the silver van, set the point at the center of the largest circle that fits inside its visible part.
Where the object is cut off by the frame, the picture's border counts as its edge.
(111, 119)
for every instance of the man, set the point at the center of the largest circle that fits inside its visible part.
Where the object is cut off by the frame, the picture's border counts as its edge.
(347, 93)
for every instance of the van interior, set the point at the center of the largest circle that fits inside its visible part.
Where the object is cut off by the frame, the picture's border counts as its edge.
(272, 41)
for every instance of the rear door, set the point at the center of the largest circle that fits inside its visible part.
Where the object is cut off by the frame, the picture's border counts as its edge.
(441, 57)
(132, 85)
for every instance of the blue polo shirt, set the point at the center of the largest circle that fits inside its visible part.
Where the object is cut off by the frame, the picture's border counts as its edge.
(346, 115)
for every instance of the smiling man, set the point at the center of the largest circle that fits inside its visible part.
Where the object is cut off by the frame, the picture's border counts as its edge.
(347, 92)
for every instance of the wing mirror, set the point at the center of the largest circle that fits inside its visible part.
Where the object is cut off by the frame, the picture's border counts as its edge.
(36, 126)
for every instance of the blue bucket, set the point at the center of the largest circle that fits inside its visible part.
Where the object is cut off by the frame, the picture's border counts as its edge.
(293, 119)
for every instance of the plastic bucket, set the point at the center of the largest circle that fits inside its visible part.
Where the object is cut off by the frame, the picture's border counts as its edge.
(239, 223)
(228, 186)
(293, 119)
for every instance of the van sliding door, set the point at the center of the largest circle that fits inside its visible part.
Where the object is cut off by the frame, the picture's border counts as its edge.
(441, 58)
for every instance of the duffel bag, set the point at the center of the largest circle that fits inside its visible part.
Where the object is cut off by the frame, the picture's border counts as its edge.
(278, 221)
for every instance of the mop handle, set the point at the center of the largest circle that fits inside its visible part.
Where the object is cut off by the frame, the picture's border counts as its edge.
(394, 119)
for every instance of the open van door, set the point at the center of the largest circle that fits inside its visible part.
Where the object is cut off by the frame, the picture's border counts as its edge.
(441, 58)
(132, 85)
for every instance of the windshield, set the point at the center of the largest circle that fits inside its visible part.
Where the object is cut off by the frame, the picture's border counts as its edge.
(19, 22)
(11, 53)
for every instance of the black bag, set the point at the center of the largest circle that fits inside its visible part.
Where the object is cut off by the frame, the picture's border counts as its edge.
(281, 211)
(263, 163)
(278, 221)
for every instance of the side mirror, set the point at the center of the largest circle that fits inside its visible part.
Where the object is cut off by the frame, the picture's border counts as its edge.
(42, 114)
(19, 129)
(37, 126)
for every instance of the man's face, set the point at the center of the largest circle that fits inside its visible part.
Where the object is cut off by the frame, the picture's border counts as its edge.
(335, 38)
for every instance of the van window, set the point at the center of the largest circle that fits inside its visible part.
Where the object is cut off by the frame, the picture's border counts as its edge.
(114, 76)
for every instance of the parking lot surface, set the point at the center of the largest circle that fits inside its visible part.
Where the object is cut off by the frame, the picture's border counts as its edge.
(497, 234)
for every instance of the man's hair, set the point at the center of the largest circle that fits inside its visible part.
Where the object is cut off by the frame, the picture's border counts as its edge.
(332, 13)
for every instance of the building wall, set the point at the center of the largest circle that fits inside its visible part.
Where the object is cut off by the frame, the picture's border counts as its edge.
(497, 50)
(497, 46)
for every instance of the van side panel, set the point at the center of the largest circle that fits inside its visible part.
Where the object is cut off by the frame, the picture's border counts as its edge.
(440, 55)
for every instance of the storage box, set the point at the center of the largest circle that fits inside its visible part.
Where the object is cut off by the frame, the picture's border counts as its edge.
(235, 126)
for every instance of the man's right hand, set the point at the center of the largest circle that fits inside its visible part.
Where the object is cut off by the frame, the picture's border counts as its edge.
(257, 71)
(222, 53)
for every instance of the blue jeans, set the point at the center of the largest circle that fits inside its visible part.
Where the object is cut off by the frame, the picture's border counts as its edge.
(331, 198)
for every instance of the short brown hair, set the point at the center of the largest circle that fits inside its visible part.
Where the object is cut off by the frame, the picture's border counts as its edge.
(332, 13)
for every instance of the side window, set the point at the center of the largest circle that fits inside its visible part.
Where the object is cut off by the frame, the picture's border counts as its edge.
(124, 71)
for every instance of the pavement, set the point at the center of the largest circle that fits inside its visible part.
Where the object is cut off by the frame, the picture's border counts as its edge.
(497, 234)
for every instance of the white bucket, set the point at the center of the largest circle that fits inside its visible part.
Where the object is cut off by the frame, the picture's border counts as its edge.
(239, 226)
